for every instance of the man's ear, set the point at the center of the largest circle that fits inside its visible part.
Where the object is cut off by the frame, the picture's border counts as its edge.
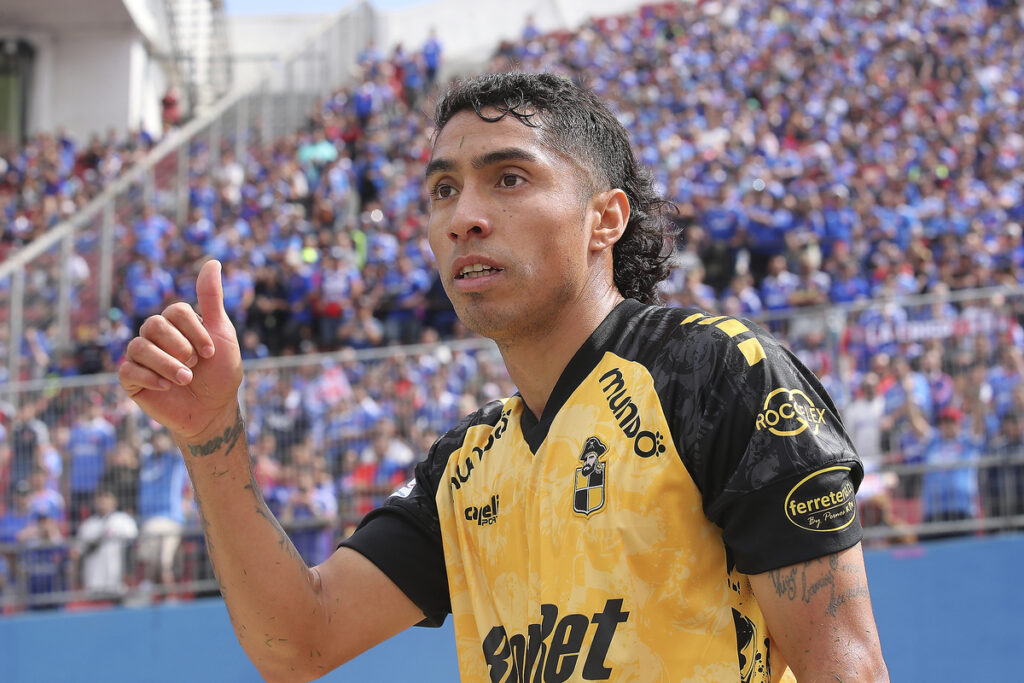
(612, 209)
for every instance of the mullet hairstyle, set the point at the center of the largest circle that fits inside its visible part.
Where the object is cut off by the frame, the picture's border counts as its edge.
(580, 128)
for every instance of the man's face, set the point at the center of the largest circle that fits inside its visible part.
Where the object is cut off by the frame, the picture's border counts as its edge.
(105, 503)
(509, 227)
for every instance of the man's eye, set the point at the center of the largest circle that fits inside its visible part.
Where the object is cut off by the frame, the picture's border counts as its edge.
(442, 191)
(510, 180)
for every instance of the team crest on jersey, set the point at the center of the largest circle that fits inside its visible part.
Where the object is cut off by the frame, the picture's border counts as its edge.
(589, 491)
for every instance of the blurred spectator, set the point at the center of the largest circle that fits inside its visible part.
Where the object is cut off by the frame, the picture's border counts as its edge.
(392, 456)
(360, 328)
(305, 503)
(431, 51)
(91, 441)
(43, 498)
(1005, 377)
(940, 384)
(170, 112)
(862, 418)
(778, 285)
(18, 514)
(42, 560)
(948, 493)
(121, 475)
(239, 292)
(161, 512)
(100, 547)
(403, 299)
(26, 436)
(1002, 485)
(149, 288)
(337, 283)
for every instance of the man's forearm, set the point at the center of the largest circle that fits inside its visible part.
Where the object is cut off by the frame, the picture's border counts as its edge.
(266, 585)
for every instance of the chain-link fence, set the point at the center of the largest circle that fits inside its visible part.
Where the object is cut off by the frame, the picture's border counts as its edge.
(930, 390)
(96, 505)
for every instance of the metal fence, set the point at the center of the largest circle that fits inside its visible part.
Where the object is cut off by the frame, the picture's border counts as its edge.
(95, 505)
(930, 390)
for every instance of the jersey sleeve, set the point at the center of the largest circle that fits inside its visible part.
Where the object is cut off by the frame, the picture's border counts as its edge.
(403, 536)
(776, 469)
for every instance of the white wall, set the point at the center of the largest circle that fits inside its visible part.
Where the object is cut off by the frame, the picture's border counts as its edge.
(257, 40)
(470, 31)
(92, 82)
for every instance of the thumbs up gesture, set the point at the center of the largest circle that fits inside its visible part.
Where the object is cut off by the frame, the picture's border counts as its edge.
(184, 368)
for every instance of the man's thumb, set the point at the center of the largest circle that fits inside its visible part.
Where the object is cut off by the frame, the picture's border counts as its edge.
(210, 293)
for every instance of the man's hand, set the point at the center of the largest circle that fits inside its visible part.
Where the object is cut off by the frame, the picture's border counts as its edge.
(184, 370)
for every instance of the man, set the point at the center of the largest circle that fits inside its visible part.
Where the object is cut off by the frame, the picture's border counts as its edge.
(1002, 486)
(42, 559)
(726, 545)
(161, 512)
(101, 544)
(948, 494)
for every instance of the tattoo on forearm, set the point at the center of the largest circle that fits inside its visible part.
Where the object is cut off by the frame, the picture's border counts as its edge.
(230, 437)
(283, 540)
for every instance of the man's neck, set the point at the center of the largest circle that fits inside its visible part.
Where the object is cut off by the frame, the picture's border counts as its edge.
(535, 364)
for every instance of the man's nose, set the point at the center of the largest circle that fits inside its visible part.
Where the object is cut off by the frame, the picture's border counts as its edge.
(471, 217)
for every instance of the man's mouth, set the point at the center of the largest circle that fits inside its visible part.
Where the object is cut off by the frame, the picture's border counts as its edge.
(476, 270)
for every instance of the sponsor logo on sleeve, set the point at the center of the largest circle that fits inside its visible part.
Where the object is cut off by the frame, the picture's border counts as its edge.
(824, 501)
(788, 412)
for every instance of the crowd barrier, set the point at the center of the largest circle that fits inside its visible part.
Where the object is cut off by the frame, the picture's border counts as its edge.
(352, 421)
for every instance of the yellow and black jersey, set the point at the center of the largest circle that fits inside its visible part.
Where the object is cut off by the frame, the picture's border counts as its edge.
(609, 540)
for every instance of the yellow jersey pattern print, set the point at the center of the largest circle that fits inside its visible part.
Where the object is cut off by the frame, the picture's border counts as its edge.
(610, 538)
(548, 593)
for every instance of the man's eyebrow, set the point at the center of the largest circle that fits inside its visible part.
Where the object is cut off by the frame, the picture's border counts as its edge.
(438, 166)
(497, 156)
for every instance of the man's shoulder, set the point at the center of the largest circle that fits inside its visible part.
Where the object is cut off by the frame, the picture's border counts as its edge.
(486, 415)
(665, 334)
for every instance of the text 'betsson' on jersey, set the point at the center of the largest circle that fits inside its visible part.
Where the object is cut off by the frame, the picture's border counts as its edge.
(555, 649)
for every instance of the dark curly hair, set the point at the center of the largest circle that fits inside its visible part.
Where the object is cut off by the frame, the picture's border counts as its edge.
(578, 126)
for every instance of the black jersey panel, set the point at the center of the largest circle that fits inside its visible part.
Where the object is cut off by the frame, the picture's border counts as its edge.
(389, 538)
(403, 536)
(749, 421)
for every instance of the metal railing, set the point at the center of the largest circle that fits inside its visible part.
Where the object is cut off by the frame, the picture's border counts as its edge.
(322, 412)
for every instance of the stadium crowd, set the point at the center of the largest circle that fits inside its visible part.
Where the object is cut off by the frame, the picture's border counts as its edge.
(820, 155)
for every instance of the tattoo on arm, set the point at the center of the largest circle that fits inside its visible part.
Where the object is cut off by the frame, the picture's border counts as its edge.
(793, 583)
(230, 437)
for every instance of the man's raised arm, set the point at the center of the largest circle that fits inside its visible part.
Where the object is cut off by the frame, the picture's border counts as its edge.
(294, 622)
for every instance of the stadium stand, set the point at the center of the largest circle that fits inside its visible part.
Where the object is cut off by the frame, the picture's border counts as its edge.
(848, 176)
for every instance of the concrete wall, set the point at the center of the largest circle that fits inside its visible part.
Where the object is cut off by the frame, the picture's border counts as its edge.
(95, 65)
(258, 40)
(947, 611)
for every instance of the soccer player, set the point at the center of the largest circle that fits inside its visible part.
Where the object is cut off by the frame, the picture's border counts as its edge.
(669, 496)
